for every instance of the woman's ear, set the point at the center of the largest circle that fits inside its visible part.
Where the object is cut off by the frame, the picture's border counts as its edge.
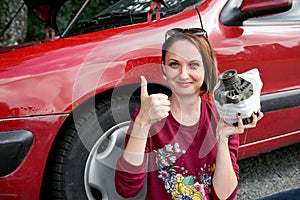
(163, 69)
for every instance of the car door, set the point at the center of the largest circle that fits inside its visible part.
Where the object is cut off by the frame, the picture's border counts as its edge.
(271, 44)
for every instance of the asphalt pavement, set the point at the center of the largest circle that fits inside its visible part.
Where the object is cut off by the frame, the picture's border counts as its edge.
(269, 173)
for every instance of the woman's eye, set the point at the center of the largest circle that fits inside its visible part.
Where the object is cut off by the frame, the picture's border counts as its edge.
(173, 64)
(195, 65)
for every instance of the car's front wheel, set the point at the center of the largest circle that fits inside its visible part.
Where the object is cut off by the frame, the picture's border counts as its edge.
(83, 163)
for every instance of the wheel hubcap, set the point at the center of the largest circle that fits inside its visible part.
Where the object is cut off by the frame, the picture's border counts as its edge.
(100, 165)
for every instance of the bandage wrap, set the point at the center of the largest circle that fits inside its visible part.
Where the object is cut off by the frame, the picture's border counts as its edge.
(238, 93)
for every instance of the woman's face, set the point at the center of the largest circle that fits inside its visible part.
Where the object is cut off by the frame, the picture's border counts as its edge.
(184, 68)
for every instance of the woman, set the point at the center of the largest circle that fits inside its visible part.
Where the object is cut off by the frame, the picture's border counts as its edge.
(191, 153)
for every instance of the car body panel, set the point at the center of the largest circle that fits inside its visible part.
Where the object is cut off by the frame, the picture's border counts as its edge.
(25, 181)
(65, 70)
(42, 84)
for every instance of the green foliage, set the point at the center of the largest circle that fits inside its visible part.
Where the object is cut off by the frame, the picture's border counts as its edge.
(13, 22)
(36, 29)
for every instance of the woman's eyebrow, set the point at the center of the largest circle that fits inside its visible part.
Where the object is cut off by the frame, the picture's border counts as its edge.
(195, 60)
(172, 59)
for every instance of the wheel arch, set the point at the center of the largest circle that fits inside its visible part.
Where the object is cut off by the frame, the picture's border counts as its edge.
(131, 90)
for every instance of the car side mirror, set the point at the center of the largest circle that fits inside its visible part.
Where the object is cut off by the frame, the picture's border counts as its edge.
(265, 6)
(234, 14)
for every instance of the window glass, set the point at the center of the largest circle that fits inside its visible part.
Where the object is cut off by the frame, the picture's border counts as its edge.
(142, 6)
(127, 12)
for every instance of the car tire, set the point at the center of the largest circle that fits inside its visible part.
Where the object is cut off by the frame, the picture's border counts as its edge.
(83, 163)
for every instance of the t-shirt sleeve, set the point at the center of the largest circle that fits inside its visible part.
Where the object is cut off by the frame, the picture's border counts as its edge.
(129, 179)
(233, 145)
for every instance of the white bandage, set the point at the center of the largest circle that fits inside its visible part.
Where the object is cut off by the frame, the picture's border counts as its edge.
(246, 107)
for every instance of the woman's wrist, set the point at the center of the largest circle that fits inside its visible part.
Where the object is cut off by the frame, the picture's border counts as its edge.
(140, 130)
(222, 139)
(141, 122)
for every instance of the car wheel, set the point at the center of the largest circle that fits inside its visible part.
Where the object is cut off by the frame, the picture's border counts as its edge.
(85, 157)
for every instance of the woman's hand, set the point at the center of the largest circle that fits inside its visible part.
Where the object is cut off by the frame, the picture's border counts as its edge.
(224, 130)
(154, 107)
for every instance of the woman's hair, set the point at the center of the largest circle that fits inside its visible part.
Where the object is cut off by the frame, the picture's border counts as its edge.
(207, 54)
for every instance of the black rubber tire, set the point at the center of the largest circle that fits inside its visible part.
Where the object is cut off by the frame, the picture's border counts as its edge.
(68, 161)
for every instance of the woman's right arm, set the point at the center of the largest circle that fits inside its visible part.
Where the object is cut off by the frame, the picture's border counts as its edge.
(154, 108)
(131, 166)
(131, 171)
(135, 148)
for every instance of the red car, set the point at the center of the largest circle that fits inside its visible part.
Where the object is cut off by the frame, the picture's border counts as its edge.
(65, 104)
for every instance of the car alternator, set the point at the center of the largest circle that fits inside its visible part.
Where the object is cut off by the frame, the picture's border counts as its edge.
(238, 93)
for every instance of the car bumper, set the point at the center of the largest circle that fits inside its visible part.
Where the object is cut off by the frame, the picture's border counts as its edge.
(23, 179)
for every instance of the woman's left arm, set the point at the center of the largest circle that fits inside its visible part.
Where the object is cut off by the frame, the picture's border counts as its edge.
(225, 179)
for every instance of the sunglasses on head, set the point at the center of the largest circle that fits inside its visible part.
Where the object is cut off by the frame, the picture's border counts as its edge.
(194, 31)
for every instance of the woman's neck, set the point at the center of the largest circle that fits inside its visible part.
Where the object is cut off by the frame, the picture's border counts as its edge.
(186, 110)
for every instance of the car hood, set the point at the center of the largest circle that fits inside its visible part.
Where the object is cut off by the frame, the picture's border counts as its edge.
(46, 10)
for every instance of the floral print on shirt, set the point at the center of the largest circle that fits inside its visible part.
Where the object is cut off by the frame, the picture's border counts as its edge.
(177, 181)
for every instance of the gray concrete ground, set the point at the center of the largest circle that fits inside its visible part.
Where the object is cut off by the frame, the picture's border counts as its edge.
(269, 173)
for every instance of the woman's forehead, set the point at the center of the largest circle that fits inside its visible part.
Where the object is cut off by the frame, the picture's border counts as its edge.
(185, 50)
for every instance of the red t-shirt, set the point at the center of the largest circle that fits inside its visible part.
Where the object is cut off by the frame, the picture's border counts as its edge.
(181, 160)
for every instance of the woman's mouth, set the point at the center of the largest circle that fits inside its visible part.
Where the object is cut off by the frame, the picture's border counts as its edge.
(184, 84)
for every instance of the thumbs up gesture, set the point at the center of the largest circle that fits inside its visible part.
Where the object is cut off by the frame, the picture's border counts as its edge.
(154, 107)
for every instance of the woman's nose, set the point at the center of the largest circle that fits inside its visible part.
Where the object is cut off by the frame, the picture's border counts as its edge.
(184, 72)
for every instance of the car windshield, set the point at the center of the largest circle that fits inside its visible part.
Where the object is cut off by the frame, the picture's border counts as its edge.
(142, 6)
(127, 12)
